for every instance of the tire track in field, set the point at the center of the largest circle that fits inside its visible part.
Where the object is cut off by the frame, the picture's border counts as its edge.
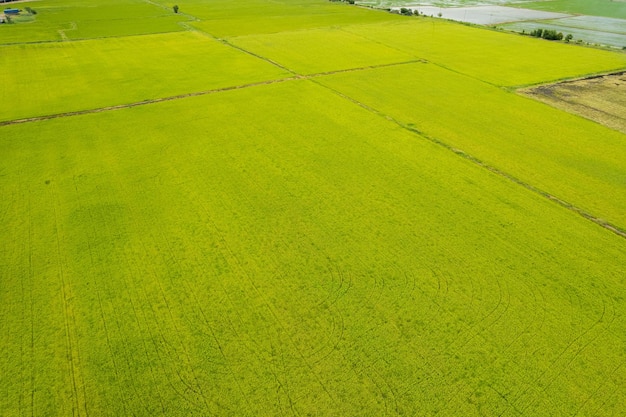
(162, 351)
(64, 38)
(332, 315)
(572, 350)
(73, 356)
(132, 297)
(614, 392)
(98, 292)
(212, 332)
(503, 174)
(170, 350)
(25, 248)
(31, 276)
(237, 265)
(27, 356)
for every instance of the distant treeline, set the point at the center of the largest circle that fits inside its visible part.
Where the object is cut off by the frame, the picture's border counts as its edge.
(550, 35)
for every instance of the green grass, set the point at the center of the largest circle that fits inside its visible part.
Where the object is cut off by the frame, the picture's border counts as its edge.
(498, 58)
(574, 159)
(342, 267)
(606, 8)
(56, 21)
(72, 76)
(298, 247)
(225, 18)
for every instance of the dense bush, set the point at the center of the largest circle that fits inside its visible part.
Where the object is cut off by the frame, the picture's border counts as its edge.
(549, 34)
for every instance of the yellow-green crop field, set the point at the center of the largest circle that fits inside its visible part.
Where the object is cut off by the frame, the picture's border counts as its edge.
(295, 209)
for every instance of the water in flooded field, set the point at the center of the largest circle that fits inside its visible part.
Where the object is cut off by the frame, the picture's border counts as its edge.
(486, 15)
(587, 29)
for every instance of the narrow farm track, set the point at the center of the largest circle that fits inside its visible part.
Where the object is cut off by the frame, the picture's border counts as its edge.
(64, 38)
(194, 94)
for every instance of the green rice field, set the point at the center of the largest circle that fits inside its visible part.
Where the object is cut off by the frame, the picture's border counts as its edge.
(303, 208)
(606, 8)
(73, 19)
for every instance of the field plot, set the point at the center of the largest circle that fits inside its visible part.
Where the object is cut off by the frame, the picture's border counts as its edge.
(594, 23)
(487, 55)
(486, 15)
(606, 8)
(602, 99)
(286, 221)
(225, 18)
(321, 50)
(224, 264)
(587, 29)
(564, 155)
(70, 76)
(88, 19)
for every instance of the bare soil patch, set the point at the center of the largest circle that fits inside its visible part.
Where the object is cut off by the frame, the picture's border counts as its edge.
(600, 98)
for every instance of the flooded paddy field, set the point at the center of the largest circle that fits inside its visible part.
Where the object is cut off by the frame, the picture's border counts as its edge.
(438, 3)
(605, 8)
(586, 36)
(486, 15)
(605, 26)
(586, 29)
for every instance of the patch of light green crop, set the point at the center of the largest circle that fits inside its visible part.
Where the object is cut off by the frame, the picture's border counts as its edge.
(498, 58)
(225, 18)
(236, 254)
(59, 77)
(321, 50)
(567, 156)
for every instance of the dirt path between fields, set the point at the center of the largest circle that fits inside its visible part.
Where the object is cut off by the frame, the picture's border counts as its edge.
(138, 103)
(194, 94)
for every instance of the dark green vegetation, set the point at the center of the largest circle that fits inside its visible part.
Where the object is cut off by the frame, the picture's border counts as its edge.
(548, 34)
(303, 208)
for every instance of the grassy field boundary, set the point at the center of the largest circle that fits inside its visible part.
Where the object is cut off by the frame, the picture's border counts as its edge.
(197, 93)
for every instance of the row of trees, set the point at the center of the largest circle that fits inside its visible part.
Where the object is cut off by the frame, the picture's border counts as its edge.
(550, 35)
(408, 12)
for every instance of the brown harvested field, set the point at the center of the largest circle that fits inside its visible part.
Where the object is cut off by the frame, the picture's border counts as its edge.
(599, 98)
